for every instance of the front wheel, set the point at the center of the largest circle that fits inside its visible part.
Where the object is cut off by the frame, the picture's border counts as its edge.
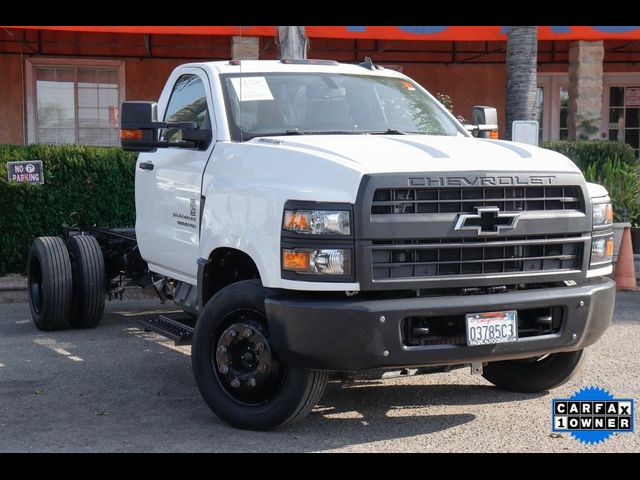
(238, 374)
(535, 374)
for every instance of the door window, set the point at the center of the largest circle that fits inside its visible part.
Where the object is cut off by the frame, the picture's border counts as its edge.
(188, 103)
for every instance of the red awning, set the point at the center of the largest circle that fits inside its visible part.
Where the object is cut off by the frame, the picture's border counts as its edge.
(465, 33)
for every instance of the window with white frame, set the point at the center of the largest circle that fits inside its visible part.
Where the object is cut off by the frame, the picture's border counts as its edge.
(74, 101)
(552, 105)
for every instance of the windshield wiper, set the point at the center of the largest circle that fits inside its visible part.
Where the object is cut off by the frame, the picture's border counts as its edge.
(393, 131)
(388, 131)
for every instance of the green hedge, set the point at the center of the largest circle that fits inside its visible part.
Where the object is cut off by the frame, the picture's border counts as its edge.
(84, 186)
(586, 153)
(611, 164)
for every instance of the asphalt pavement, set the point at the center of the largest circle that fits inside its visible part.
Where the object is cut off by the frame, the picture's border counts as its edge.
(117, 388)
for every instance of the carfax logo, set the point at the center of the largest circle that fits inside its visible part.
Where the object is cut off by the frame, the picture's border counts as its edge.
(592, 415)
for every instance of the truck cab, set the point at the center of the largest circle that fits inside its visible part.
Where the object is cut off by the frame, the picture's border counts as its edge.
(329, 219)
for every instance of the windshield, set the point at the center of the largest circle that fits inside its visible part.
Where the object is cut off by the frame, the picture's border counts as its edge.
(326, 103)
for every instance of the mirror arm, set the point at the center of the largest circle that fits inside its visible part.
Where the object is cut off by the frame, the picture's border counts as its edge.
(154, 125)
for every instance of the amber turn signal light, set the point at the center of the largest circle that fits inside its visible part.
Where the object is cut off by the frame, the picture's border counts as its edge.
(609, 247)
(131, 134)
(295, 260)
(494, 135)
(608, 213)
(297, 220)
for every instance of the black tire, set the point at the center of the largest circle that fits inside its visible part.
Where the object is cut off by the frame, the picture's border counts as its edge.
(283, 394)
(50, 283)
(535, 374)
(89, 281)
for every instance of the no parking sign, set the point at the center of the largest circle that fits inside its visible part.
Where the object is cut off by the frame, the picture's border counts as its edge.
(29, 171)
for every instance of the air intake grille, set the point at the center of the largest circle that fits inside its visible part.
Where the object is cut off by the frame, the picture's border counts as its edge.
(392, 201)
(414, 259)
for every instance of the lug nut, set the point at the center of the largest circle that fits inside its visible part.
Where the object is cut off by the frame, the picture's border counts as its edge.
(246, 333)
(222, 349)
(260, 347)
(251, 382)
(235, 383)
(223, 369)
(232, 333)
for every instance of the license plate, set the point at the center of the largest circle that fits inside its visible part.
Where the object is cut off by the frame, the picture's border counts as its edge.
(492, 327)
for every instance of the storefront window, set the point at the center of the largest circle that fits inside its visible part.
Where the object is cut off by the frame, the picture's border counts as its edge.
(76, 104)
(624, 115)
(564, 113)
(552, 105)
(540, 112)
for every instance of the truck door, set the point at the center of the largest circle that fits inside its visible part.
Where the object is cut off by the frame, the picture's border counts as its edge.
(169, 181)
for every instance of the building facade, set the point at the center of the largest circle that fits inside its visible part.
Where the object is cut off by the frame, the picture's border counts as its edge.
(65, 84)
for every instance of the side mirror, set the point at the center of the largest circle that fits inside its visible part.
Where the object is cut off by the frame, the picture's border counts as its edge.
(486, 120)
(139, 129)
(138, 126)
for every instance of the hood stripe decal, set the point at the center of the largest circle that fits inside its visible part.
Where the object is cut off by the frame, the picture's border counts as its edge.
(433, 152)
(508, 145)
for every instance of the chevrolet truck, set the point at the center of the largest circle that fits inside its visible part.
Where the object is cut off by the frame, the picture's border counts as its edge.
(319, 220)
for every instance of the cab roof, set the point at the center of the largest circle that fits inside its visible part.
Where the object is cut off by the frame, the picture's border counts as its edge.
(281, 66)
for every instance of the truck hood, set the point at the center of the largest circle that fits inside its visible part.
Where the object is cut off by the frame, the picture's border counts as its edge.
(422, 153)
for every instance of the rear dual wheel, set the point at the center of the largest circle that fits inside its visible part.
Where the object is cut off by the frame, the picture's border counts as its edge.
(66, 283)
(50, 285)
(89, 281)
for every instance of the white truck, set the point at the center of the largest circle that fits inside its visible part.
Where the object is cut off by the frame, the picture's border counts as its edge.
(317, 219)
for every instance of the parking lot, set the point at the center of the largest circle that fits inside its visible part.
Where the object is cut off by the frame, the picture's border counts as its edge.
(118, 388)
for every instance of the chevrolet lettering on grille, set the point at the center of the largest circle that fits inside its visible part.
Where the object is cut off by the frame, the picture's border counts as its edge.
(487, 221)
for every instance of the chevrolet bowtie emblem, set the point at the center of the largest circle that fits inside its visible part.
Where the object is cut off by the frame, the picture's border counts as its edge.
(487, 221)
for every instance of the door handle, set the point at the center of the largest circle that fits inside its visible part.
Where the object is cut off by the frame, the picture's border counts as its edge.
(146, 165)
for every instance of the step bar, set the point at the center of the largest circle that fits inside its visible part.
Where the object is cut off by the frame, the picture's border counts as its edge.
(181, 333)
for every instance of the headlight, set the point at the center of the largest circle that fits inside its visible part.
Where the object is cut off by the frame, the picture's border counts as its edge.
(602, 214)
(322, 261)
(318, 222)
(601, 250)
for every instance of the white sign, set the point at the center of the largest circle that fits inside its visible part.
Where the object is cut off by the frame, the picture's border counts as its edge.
(251, 88)
(633, 97)
(525, 131)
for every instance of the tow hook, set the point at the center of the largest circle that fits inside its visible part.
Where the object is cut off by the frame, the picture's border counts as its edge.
(476, 368)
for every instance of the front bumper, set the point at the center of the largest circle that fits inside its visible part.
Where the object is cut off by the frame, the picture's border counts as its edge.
(347, 335)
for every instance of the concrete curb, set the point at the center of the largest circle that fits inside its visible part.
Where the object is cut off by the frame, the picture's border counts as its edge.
(13, 289)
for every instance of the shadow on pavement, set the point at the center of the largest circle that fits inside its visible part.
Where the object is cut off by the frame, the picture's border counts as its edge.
(370, 412)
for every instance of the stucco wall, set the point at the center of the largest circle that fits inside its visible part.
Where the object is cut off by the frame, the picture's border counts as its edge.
(467, 85)
(146, 77)
(12, 125)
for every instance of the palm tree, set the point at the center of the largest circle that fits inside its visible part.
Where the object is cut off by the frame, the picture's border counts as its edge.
(293, 42)
(522, 57)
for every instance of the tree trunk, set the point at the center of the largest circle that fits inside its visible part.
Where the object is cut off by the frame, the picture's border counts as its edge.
(522, 57)
(293, 42)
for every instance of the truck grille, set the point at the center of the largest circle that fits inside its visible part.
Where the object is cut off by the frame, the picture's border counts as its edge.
(395, 201)
(414, 259)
